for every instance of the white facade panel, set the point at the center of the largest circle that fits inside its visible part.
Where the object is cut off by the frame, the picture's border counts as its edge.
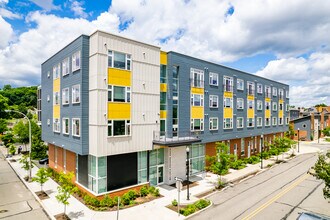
(176, 166)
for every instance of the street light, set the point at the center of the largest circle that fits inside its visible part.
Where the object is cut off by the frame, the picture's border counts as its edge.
(298, 139)
(187, 165)
(318, 134)
(30, 140)
(262, 146)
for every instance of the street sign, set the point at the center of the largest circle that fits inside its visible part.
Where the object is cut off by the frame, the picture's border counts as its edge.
(178, 185)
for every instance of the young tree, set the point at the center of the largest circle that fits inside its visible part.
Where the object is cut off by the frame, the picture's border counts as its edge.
(12, 149)
(41, 177)
(25, 161)
(21, 130)
(8, 139)
(3, 125)
(65, 189)
(322, 171)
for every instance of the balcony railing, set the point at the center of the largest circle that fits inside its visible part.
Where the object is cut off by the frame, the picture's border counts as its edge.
(175, 138)
(227, 87)
(196, 83)
(268, 95)
(250, 91)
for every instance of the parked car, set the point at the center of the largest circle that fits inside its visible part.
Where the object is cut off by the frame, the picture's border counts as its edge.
(43, 161)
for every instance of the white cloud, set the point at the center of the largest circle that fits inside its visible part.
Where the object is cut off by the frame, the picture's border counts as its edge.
(6, 33)
(8, 14)
(3, 1)
(78, 9)
(46, 4)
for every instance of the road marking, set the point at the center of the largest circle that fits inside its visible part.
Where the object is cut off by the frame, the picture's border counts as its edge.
(279, 195)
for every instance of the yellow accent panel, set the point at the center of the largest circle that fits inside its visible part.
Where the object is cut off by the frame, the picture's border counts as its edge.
(163, 87)
(163, 114)
(228, 94)
(250, 97)
(56, 111)
(227, 113)
(280, 101)
(119, 77)
(56, 85)
(250, 113)
(119, 110)
(195, 90)
(163, 58)
(197, 112)
(267, 113)
(267, 99)
(280, 113)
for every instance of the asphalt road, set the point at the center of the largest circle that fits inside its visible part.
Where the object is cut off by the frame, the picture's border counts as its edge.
(282, 192)
(16, 201)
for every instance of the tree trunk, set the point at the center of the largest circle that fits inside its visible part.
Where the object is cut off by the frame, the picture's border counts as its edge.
(64, 209)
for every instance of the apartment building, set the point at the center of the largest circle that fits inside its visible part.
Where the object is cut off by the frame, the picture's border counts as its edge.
(121, 113)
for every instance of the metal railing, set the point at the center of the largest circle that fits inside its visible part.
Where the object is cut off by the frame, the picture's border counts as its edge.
(175, 136)
(228, 88)
(196, 83)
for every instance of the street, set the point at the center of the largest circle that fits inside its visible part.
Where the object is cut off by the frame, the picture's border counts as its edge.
(16, 201)
(282, 192)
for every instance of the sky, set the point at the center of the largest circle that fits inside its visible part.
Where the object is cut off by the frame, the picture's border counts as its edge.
(287, 41)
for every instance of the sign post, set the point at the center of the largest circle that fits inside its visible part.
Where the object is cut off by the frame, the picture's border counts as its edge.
(178, 185)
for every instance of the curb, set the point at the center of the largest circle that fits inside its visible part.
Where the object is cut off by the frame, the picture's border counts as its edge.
(34, 195)
(196, 213)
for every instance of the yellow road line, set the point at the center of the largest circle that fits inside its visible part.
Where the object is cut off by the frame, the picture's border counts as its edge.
(279, 195)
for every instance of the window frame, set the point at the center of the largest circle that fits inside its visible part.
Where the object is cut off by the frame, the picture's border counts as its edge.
(268, 91)
(230, 123)
(231, 84)
(269, 122)
(274, 106)
(199, 81)
(74, 95)
(214, 99)
(211, 79)
(274, 119)
(192, 124)
(58, 100)
(259, 104)
(238, 83)
(274, 91)
(230, 101)
(248, 123)
(74, 57)
(74, 127)
(66, 97)
(237, 103)
(128, 60)
(64, 125)
(66, 61)
(237, 122)
(127, 126)
(259, 119)
(252, 90)
(259, 88)
(56, 126)
(250, 104)
(193, 99)
(212, 128)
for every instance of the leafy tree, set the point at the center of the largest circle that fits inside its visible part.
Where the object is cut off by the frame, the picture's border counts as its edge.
(3, 125)
(12, 149)
(8, 139)
(65, 189)
(21, 130)
(322, 171)
(24, 96)
(290, 132)
(3, 106)
(326, 131)
(25, 161)
(321, 105)
(42, 176)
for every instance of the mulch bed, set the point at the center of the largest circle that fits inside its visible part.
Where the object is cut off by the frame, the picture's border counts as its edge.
(62, 216)
(13, 160)
(175, 208)
(42, 195)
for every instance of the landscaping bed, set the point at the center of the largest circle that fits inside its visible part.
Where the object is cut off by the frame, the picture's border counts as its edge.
(42, 195)
(62, 216)
(191, 208)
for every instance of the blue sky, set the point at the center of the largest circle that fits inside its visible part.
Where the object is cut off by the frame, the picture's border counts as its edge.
(269, 38)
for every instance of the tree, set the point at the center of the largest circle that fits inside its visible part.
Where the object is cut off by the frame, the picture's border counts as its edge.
(41, 177)
(8, 139)
(3, 106)
(39, 149)
(3, 125)
(21, 130)
(322, 171)
(290, 132)
(321, 105)
(65, 189)
(25, 161)
(12, 149)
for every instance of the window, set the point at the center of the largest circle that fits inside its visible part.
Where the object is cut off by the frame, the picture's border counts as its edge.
(240, 84)
(162, 100)
(287, 120)
(142, 166)
(213, 123)
(65, 123)
(240, 122)
(267, 121)
(267, 105)
(280, 121)
(110, 93)
(119, 94)
(56, 71)
(65, 96)
(197, 125)
(163, 73)
(274, 120)
(240, 103)
(259, 88)
(197, 78)
(97, 174)
(268, 91)
(281, 106)
(287, 107)
(227, 102)
(274, 91)
(56, 100)
(119, 60)
(280, 93)
(228, 83)
(250, 104)
(250, 88)
(274, 106)
(119, 128)
(213, 101)
(197, 158)
(197, 100)
(259, 122)
(65, 66)
(242, 148)
(214, 79)
(55, 155)
(287, 94)
(227, 123)
(76, 94)
(76, 61)
(259, 105)
(76, 127)
(56, 125)
(250, 122)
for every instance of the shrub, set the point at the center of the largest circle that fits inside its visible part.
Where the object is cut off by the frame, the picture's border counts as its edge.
(107, 201)
(200, 204)
(188, 210)
(125, 199)
(156, 193)
(144, 191)
(91, 201)
(151, 190)
(237, 165)
(12, 149)
(132, 194)
(174, 203)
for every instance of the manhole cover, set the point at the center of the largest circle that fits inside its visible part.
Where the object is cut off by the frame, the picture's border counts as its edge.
(3, 211)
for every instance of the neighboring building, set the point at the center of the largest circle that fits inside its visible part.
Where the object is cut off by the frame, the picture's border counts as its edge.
(121, 113)
(294, 114)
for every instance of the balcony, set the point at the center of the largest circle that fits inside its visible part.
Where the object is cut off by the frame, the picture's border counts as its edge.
(174, 139)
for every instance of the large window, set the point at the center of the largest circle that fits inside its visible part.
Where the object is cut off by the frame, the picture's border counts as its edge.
(280, 120)
(197, 125)
(76, 61)
(197, 100)
(214, 123)
(259, 122)
(56, 125)
(280, 93)
(259, 88)
(228, 83)
(240, 103)
(197, 158)
(119, 94)
(250, 122)
(250, 104)
(56, 100)
(65, 66)
(65, 124)
(162, 100)
(268, 91)
(250, 88)
(156, 159)
(142, 167)
(240, 84)
(228, 102)
(76, 127)
(76, 94)
(280, 106)
(163, 73)
(97, 174)
(213, 101)
(267, 121)
(240, 122)
(119, 60)
(119, 128)
(259, 105)
(65, 96)
(197, 78)
(227, 123)
(214, 81)
(274, 121)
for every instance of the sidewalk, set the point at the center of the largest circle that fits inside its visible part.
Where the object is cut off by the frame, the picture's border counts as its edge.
(152, 210)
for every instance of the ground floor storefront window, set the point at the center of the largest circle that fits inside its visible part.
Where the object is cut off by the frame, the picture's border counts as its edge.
(97, 174)
(156, 166)
(197, 158)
